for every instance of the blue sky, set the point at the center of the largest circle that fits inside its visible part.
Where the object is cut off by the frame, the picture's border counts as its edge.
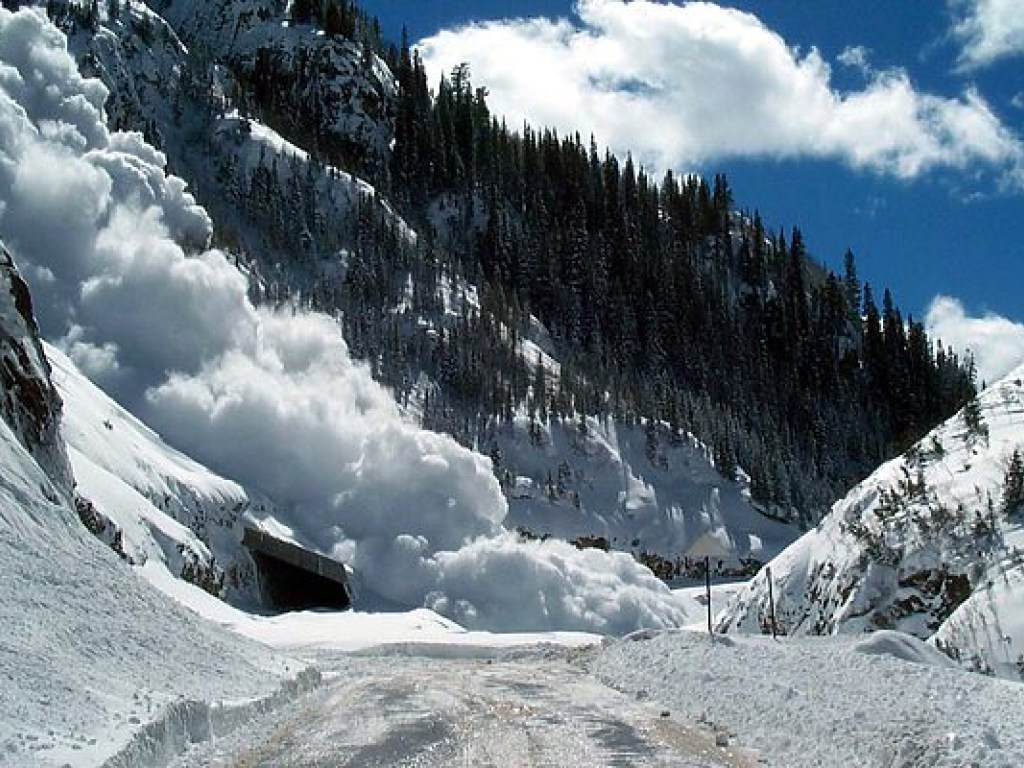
(892, 128)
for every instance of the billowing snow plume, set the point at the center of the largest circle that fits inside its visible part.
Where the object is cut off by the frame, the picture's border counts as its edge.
(114, 251)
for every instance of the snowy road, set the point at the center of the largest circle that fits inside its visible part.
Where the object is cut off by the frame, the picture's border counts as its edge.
(536, 709)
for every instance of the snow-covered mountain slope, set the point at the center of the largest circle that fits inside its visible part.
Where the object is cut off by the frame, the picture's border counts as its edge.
(250, 162)
(633, 488)
(931, 544)
(269, 398)
(138, 55)
(180, 98)
(598, 486)
(91, 655)
(148, 500)
(326, 90)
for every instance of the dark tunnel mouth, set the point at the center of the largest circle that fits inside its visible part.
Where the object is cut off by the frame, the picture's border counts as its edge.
(293, 578)
(287, 587)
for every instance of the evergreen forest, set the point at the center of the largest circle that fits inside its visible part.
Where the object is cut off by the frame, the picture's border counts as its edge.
(669, 302)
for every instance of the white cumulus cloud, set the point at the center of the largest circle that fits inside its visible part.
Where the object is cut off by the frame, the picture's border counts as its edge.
(988, 30)
(678, 84)
(856, 56)
(115, 251)
(996, 342)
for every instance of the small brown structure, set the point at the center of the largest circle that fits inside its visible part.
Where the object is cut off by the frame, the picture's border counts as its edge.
(292, 578)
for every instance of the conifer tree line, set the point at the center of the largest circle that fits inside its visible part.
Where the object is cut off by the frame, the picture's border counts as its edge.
(664, 297)
(666, 304)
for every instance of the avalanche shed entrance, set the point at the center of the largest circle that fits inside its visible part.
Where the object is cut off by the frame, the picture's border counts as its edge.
(292, 578)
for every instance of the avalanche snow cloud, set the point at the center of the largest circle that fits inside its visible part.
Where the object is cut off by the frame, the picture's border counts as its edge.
(115, 252)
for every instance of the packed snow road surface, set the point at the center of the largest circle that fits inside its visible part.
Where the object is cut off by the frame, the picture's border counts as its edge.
(534, 709)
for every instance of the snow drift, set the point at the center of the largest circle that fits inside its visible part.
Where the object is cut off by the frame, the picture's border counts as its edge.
(811, 702)
(116, 251)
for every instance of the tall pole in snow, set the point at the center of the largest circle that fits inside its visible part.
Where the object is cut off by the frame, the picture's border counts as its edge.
(771, 598)
(707, 588)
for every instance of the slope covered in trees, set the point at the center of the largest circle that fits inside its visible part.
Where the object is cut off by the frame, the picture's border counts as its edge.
(664, 297)
(931, 544)
(662, 300)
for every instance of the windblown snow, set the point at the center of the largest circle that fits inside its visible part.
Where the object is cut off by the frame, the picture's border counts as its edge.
(113, 249)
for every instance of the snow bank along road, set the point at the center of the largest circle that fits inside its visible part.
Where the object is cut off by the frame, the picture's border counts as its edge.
(882, 700)
(528, 708)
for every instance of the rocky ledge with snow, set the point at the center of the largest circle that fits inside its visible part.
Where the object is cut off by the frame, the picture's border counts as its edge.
(30, 405)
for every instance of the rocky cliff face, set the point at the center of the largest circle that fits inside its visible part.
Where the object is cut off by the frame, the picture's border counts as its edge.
(323, 92)
(30, 404)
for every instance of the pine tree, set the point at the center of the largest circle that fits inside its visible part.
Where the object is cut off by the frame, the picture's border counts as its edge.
(1013, 484)
(973, 418)
(851, 286)
(540, 390)
(334, 20)
(302, 11)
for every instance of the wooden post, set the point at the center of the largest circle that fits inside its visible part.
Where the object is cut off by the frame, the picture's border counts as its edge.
(707, 588)
(771, 598)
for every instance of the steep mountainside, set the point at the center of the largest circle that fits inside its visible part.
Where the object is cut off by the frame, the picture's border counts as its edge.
(149, 501)
(661, 302)
(308, 231)
(518, 290)
(90, 652)
(932, 544)
(268, 396)
(325, 91)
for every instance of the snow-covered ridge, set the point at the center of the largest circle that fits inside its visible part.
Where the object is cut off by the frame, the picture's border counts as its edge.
(928, 544)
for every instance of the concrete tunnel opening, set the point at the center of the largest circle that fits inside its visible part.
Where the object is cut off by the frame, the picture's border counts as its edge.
(292, 578)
